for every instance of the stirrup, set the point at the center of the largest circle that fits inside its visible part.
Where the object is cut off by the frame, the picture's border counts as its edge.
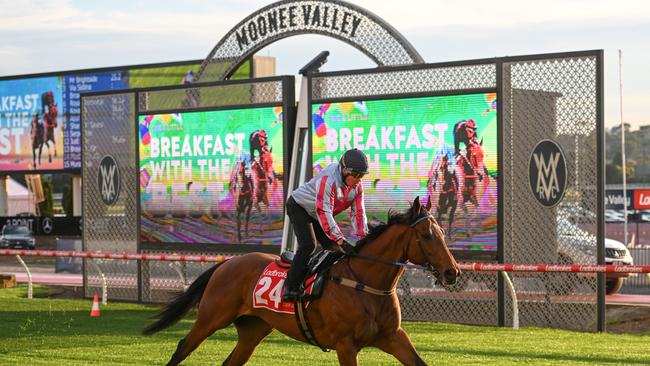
(291, 295)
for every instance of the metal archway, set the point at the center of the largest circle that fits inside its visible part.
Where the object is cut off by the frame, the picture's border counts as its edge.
(334, 18)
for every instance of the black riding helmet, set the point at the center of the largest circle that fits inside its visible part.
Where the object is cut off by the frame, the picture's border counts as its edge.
(355, 160)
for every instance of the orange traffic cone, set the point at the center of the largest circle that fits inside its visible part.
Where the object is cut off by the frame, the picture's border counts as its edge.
(94, 312)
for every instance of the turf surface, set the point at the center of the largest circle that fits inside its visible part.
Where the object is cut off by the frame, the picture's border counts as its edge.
(46, 331)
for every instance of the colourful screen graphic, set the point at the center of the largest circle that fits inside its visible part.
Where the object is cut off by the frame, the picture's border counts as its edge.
(442, 147)
(31, 124)
(212, 177)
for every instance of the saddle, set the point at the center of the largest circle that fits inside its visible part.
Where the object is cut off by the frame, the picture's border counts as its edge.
(319, 264)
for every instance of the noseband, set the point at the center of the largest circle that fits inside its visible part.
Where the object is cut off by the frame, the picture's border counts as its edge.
(428, 266)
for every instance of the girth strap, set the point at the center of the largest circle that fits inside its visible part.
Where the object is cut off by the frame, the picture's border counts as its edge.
(361, 287)
(305, 327)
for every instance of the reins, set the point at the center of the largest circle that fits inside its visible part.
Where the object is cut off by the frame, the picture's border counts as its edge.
(360, 286)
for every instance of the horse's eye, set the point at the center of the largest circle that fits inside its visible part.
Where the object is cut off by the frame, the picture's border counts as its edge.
(427, 236)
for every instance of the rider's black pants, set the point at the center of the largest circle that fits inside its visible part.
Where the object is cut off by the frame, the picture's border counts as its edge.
(302, 224)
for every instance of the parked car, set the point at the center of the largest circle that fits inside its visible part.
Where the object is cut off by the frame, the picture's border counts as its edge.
(614, 216)
(577, 246)
(17, 237)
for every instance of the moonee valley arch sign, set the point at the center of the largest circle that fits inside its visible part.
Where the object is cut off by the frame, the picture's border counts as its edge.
(337, 19)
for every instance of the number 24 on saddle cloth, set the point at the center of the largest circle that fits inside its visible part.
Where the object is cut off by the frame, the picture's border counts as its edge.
(268, 290)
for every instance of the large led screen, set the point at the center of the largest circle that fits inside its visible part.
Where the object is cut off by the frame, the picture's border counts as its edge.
(442, 147)
(212, 177)
(40, 124)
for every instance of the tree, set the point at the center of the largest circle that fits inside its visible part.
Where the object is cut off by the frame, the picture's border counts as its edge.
(46, 207)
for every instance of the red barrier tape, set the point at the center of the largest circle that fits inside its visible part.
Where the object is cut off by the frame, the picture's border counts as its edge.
(127, 256)
(473, 267)
(588, 268)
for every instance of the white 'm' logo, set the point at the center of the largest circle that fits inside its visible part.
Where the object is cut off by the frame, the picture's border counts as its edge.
(108, 188)
(548, 185)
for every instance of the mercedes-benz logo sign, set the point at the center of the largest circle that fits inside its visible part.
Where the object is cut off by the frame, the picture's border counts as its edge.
(547, 173)
(48, 225)
(108, 180)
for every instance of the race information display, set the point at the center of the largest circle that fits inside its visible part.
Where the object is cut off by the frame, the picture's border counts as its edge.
(442, 147)
(212, 177)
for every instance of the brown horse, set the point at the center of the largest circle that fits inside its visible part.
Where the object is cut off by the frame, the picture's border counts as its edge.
(344, 318)
(241, 189)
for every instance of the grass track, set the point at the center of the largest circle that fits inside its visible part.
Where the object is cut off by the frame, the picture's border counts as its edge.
(61, 332)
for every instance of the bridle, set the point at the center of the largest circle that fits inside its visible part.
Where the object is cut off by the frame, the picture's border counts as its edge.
(400, 263)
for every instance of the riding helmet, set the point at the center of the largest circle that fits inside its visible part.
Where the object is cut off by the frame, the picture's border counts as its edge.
(355, 160)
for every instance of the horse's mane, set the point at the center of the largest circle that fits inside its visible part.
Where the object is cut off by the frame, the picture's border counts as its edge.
(393, 218)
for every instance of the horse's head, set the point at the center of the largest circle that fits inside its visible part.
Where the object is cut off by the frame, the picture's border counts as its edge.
(427, 246)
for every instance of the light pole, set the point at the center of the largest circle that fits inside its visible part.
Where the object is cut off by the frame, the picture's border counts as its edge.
(620, 79)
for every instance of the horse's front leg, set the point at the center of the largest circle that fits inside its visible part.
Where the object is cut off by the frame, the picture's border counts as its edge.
(399, 345)
(347, 352)
(238, 225)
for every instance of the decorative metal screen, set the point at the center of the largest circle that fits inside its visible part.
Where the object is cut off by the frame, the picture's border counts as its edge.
(405, 81)
(108, 130)
(337, 19)
(555, 97)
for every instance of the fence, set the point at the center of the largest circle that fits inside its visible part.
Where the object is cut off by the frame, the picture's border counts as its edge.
(404, 292)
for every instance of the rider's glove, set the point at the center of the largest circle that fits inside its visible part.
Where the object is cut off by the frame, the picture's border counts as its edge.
(348, 248)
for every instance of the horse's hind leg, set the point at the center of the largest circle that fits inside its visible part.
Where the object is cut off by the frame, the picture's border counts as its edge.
(205, 325)
(251, 331)
(347, 352)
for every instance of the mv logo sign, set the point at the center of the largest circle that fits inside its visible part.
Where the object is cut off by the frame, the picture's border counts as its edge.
(109, 180)
(547, 173)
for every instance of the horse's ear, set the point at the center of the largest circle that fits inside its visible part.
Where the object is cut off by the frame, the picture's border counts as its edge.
(428, 207)
(416, 204)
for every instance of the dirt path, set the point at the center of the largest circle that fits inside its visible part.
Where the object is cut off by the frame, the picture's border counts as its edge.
(627, 319)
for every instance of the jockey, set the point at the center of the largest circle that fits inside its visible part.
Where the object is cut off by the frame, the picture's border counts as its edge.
(258, 140)
(465, 132)
(311, 209)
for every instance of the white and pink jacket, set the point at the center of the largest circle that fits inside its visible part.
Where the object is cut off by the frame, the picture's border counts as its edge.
(325, 196)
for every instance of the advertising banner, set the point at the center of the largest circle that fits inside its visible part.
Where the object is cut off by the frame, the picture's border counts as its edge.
(642, 199)
(212, 177)
(442, 147)
(615, 200)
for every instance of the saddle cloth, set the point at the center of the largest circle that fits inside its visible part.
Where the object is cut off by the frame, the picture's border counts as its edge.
(269, 287)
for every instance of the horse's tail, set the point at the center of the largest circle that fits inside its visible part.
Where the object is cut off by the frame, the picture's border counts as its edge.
(181, 304)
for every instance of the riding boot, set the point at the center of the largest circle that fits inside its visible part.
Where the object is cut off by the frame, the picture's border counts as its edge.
(292, 286)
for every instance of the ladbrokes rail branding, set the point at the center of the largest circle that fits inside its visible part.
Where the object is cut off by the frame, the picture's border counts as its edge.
(547, 173)
(319, 16)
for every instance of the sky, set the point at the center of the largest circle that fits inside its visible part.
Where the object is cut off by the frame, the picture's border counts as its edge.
(58, 35)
